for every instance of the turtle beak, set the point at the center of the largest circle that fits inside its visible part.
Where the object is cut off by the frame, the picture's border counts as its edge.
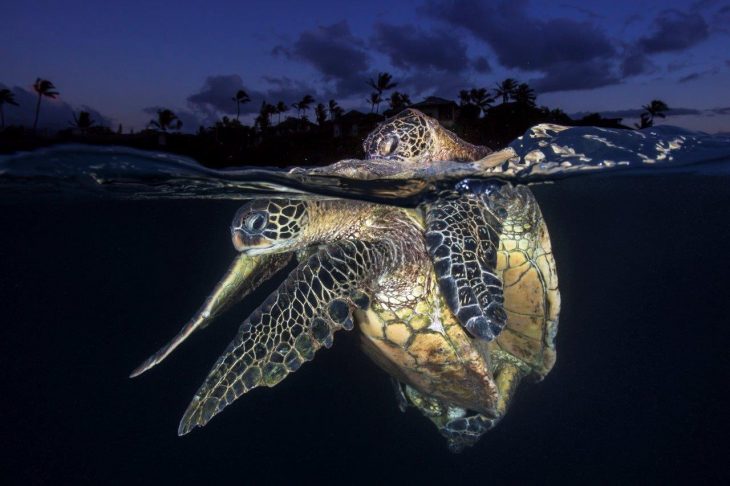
(239, 240)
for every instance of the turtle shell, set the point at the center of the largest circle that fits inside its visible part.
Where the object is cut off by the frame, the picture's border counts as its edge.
(531, 297)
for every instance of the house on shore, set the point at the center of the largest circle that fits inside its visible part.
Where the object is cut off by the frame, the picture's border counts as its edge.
(443, 110)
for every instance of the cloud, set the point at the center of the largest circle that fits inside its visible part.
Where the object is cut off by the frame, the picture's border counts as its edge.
(521, 41)
(214, 99)
(481, 65)
(675, 31)
(690, 77)
(725, 110)
(409, 47)
(576, 76)
(635, 63)
(216, 94)
(434, 83)
(587, 12)
(335, 53)
(55, 114)
(636, 113)
(571, 54)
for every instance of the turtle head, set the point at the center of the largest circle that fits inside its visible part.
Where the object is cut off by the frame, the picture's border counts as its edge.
(408, 135)
(269, 225)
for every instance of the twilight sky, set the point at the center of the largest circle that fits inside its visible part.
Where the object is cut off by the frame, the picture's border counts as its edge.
(122, 60)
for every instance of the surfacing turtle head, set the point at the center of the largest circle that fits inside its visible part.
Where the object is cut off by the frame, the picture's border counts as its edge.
(268, 225)
(407, 135)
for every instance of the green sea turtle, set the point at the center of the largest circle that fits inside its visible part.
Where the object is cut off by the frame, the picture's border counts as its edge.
(457, 300)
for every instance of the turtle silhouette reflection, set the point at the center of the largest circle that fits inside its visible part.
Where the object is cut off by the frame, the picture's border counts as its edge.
(457, 299)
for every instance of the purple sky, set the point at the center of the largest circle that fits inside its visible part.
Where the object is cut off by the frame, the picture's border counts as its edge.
(124, 59)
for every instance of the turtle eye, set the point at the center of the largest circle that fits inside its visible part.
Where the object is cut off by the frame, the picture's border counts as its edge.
(388, 145)
(256, 222)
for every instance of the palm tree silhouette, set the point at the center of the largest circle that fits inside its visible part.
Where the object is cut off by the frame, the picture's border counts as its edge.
(320, 112)
(241, 97)
(383, 83)
(44, 88)
(481, 98)
(83, 122)
(334, 110)
(303, 105)
(506, 89)
(374, 101)
(464, 97)
(399, 101)
(280, 108)
(524, 95)
(6, 96)
(166, 120)
(654, 109)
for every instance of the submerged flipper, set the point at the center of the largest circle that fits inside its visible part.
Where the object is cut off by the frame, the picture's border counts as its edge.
(291, 325)
(244, 275)
(462, 236)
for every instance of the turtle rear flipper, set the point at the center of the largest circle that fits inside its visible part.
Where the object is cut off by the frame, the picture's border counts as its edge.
(462, 236)
(245, 274)
(295, 321)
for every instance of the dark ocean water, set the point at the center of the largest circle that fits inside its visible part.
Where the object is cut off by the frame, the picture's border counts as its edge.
(91, 286)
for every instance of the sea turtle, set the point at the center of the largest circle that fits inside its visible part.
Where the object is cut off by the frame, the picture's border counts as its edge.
(431, 290)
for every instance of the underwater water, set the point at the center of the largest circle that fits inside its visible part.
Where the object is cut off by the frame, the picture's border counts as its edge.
(103, 261)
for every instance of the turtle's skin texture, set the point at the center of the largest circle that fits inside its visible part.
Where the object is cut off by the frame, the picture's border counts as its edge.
(413, 136)
(457, 300)
(368, 264)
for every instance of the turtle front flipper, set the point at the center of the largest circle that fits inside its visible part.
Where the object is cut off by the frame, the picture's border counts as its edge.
(296, 320)
(245, 274)
(462, 236)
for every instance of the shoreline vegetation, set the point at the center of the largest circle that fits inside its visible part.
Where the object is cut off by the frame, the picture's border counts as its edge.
(492, 117)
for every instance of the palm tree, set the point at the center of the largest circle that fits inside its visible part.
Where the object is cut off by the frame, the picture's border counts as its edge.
(280, 108)
(384, 83)
(320, 111)
(481, 98)
(464, 97)
(44, 88)
(524, 95)
(506, 89)
(399, 101)
(264, 118)
(374, 101)
(166, 120)
(303, 105)
(6, 96)
(83, 122)
(334, 110)
(656, 108)
(241, 97)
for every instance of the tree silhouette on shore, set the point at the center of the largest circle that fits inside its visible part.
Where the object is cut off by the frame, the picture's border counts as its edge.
(241, 97)
(166, 120)
(320, 113)
(334, 110)
(398, 102)
(381, 85)
(524, 95)
(303, 105)
(506, 89)
(280, 108)
(6, 97)
(655, 108)
(374, 100)
(42, 87)
(83, 121)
